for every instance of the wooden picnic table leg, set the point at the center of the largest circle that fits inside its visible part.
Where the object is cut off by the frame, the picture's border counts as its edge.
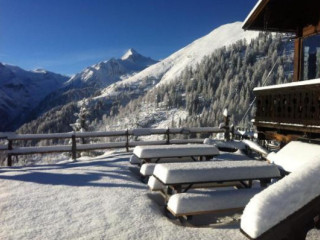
(246, 185)
(9, 162)
(145, 160)
(187, 188)
(193, 158)
(264, 182)
(178, 188)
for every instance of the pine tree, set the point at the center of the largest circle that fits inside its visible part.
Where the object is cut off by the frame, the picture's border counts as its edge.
(81, 124)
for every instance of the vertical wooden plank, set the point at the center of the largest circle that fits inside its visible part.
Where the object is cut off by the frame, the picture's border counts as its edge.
(297, 59)
(9, 163)
(74, 147)
(127, 141)
(168, 136)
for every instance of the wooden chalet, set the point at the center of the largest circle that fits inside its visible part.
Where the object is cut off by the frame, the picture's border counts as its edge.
(288, 111)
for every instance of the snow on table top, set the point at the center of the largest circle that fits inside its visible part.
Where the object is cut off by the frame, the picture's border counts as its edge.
(211, 171)
(295, 155)
(183, 203)
(282, 199)
(175, 151)
(148, 168)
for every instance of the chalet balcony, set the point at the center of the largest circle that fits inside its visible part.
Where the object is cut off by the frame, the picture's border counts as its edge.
(292, 108)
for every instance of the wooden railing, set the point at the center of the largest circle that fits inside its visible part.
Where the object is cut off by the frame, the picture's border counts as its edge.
(293, 107)
(11, 150)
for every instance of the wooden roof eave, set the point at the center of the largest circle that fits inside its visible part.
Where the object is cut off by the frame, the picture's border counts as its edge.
(260, 5)
(283, 15)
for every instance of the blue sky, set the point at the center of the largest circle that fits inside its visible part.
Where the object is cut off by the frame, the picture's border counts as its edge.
(66, 36)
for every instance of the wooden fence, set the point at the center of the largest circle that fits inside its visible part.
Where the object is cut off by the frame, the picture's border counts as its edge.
(11, 150)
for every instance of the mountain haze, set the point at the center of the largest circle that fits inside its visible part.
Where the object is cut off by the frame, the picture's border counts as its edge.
(25, 95)
(22, 90)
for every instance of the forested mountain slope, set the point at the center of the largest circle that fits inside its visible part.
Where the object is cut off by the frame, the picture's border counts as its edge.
(193, 96)
(224, 79)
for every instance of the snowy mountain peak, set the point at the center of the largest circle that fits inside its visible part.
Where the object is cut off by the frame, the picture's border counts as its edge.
(131, 52)
(171, 67)
(107, 72)
(40, 70)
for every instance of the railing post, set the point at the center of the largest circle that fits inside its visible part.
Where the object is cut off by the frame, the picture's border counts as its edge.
(74, 147)
(9, 163)
(168, 136)
(127, 141)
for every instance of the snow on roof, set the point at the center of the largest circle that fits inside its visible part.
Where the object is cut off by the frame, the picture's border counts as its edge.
(288, 85)
(282, 199)
(97, 198)
(210, 171)
(251, 12)
(295, 155)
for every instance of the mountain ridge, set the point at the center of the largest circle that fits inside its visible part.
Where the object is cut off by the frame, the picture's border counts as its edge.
(107, 72)
(82, 85)
(21, 89)
(170, 68)
(122, 92)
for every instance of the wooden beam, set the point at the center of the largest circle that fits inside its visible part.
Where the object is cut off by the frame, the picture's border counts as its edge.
(280, 137)
(205, 212)
(297, 62)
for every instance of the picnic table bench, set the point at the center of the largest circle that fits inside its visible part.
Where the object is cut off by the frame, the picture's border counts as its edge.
(196, 203)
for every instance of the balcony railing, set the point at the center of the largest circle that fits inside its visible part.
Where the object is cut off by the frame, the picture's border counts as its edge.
(289, 107)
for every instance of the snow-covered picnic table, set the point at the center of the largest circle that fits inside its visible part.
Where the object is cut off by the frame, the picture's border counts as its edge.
(147, 153)
(181, 176)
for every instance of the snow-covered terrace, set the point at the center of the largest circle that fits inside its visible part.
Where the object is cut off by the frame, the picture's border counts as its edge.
(93, 198)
